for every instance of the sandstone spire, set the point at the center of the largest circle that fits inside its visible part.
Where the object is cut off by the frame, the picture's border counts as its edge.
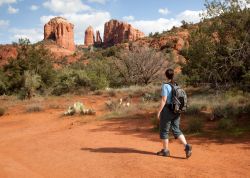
(61, 31)
(98, 38)
(89, 36)
(117, 32)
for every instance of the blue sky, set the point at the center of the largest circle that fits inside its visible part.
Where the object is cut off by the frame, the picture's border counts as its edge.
(26, 18)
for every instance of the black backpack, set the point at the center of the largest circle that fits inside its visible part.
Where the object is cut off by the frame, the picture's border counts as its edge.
(179, 99)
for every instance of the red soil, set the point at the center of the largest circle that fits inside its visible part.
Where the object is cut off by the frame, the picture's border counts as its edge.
(45, 144)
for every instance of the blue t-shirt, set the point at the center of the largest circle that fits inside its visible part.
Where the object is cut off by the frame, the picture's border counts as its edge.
(166, 90)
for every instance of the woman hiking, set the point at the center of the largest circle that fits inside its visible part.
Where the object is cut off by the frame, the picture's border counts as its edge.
(168, 119)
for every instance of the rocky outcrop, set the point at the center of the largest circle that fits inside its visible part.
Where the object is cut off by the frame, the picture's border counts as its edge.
(98, 38)
(117, 32)
(89, 39)
(61, 31)
(7, 52)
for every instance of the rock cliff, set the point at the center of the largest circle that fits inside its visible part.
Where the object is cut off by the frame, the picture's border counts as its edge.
(117, 32)
(89, 39)
(61, 31)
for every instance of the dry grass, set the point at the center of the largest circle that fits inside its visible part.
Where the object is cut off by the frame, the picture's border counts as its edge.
(34, 108)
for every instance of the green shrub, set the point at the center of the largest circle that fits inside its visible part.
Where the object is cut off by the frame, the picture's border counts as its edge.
(195, 125)
(69, 80)
(193, 110)
(97, 82)
(2, 111)
(35, 59)
(225, 124)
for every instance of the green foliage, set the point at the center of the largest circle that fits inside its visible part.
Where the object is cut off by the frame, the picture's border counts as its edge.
(2, 111)
(225, 124)
(32, 82)
(69, 79)
(193, 110)
(195, 125)
(37, 61)
(219, 48)
(3, 82)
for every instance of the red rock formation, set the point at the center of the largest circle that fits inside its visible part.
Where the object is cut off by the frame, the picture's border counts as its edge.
(61, 31)
(7, 52)
(89, 36)
(116, 32)
(98, 38)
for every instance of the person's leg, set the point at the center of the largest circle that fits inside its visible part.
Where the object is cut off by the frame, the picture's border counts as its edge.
(178, 134)
(164, 133)
(182, 139)
(165, 144)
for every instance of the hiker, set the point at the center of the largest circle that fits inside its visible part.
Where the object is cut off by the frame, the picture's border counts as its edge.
(168, 119)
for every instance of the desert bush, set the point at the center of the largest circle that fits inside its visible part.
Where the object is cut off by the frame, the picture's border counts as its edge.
(218, 53)
(69, 80)
(151, 97)
(141, 65)
(225, 124)
(97, 81)
(155, 123)
(33, 58)
(193, 110)
(34, 108)
(2, 111)
(195, 125)
(112, 105)
(111, 93)
(32, 82)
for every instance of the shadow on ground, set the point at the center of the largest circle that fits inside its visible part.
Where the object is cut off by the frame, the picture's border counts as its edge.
(140, 125)
(123, 150)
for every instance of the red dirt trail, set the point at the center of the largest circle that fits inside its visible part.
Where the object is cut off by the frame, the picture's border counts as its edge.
(46, 145)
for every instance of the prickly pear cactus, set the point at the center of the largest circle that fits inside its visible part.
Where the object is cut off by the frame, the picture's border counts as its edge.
(79, 108)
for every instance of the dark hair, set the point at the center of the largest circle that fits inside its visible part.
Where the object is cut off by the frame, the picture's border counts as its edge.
(169, 74)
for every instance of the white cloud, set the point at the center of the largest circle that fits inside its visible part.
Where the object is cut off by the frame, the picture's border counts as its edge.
(12, 10)
(98, 1)
(163, 24)
(4, 23)
(66, 6)
(189, 16)
(33, 34)
(164, 11)
(128, 18)
(7, 2)
(158, 25)
(34, 7)
(82, 21)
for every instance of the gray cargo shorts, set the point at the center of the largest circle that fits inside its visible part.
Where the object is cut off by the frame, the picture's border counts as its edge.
(169, 120)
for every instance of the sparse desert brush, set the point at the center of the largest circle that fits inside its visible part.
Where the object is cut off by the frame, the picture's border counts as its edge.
(2, 111)
(151, 97)
(225, 124)
(98, 92)
(112, 93)
(195, 125)
(155, 123)
(34, 108)
(112, 105)
(193, 110)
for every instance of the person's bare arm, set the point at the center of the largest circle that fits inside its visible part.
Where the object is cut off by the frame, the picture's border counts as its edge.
(163, 102)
